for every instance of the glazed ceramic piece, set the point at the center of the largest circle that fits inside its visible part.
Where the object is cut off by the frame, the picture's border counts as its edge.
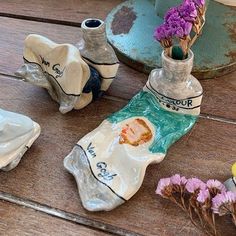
(60, 69)
(109, 163)
(17, 134)
(96, 51)
(230, 184)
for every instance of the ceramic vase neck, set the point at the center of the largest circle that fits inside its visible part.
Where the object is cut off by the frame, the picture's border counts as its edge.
(177, 71)
(94, 33)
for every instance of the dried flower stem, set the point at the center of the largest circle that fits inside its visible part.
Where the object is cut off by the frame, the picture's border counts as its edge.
(195, 224)
(208, 219)
(214, 222)
(177, 203)
(168, 51)
(198, 33)
(234, 218)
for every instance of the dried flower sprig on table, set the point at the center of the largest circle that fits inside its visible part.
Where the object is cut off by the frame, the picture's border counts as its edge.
(178, 24)
(201, 201)
(224, 204)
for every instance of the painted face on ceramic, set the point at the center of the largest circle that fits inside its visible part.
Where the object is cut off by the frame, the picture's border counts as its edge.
(135, 133)
(109, 163)
(17, 134)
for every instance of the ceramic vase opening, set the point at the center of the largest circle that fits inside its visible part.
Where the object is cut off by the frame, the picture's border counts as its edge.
(94, 32)
(93, 23)
(177, 70)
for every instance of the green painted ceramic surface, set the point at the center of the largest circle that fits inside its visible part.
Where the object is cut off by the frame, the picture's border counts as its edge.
(169, 126)
(215, 50)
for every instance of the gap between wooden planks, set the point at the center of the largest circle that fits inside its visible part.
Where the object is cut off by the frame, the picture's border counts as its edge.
(70, 12)
(17, 220)
(66, 216)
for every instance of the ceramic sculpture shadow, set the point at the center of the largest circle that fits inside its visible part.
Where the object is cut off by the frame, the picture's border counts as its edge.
(109, 163)
(17, 134)
(71, 80)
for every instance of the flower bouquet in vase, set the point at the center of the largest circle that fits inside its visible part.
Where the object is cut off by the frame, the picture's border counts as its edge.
(182, 25)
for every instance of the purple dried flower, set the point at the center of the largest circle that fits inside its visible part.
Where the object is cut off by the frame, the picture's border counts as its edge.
(195, 184)
(179, 27)
(163, 32)
(163, 184)
(171, 14)
(215, 184)
(203, 195)
(179, 32)
(178, 180)
(186, 26)
(223, 203)
(188, 11)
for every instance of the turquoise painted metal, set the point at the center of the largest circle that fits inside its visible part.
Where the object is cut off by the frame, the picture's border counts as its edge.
(130, 28)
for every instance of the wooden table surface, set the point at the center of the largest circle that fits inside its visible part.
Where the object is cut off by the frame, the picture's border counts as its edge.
(39, 197)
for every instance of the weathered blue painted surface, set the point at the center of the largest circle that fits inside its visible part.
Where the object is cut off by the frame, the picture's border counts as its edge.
(130, 28)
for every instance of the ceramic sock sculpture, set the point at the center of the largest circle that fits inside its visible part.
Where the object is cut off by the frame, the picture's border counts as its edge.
(17, 134)
(70, 80)
(109, 163)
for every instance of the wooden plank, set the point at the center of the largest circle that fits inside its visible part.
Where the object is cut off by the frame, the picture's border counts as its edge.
(206, 152)
(218, 92)
(68, 11)
(16, 220)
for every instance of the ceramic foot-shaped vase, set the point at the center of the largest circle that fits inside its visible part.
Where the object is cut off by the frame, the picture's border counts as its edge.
(71, 80)
(17, 134)
(109, 163)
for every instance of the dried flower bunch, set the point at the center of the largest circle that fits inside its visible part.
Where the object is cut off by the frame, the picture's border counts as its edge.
(201, 201)
(178, 24)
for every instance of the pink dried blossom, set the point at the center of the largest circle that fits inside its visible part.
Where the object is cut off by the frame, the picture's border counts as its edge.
(203, 195)
(195, 184)
(215, 184)
(222, 203)
(162, 185)
(178, 180)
